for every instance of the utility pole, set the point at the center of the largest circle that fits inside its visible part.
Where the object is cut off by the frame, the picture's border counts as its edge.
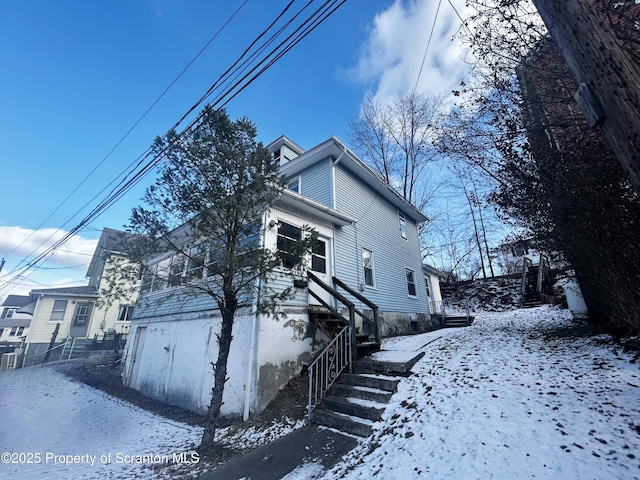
(611, 77)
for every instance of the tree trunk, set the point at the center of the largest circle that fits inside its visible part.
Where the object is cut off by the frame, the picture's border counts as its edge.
(220, 377)
(596, 57)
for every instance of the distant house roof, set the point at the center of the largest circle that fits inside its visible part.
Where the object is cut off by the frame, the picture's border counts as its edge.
(14, 322)
(431, 270)
(83, 291)
(16, 301)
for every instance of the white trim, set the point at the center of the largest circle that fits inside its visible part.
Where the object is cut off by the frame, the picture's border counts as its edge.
(406, 282)
(373, 268)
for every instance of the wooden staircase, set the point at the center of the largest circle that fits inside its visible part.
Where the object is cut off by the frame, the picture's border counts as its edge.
(535, 281)
(531, 296)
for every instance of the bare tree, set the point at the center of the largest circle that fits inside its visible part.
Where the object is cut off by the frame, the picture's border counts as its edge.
(397, 140)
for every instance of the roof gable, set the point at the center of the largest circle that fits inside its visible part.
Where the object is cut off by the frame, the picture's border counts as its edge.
(340, 152)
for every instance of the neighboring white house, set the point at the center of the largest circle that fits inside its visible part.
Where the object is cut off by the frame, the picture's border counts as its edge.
(432, 286)
(367, 250)
(73, 321)
(14, 325)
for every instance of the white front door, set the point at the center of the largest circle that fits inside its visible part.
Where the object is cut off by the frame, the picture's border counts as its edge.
(321, 267)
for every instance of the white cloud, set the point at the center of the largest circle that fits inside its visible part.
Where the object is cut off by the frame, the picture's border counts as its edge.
(391, 58)
(66, 265)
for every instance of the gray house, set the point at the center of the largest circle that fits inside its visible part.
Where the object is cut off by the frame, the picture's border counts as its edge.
(367, 260)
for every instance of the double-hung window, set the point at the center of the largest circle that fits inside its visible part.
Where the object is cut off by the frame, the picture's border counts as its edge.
(57, 314)
(403, 225)
(367, 267)
(411, 282)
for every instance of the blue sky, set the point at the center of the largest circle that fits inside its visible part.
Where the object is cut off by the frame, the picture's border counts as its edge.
(78, 74)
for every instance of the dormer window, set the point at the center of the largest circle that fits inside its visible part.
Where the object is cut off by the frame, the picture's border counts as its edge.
(294, 185)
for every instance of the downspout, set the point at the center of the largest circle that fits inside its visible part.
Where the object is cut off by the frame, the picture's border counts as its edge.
(254, 325)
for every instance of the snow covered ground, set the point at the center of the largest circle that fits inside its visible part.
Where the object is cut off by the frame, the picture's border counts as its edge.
(56, 428)
(509, 397)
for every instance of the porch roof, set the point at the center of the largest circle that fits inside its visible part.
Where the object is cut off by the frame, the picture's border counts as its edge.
(318, 210)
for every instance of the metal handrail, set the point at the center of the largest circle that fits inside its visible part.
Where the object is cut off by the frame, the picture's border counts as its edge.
(350, 305)
(328, 366)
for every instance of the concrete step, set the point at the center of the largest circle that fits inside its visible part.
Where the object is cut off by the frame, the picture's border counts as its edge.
(369, 365)
(363, 393)
(343, 405)
(341, 422)
(379, 382)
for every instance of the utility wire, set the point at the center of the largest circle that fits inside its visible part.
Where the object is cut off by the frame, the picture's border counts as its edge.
(141, 168)
(424, 57)
(124, 137)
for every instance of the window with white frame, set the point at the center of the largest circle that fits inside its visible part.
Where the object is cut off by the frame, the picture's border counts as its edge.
(411, 282)
(82, 314)
(319, 256)
(125, 313)
(367, 267)
(13, 331)
(57, 313)
(403, 225)
(195, 262)
(20, 330)
(177, 272)
(426, 286)
(162, 274)
(288, 236)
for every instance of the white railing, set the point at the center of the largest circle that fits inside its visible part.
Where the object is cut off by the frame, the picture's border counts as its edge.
(326, 369)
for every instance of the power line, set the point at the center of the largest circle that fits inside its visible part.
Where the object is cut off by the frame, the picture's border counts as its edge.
(119, 142)
(424, 57)
(142, 166)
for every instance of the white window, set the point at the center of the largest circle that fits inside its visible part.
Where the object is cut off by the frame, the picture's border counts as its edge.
(57, 314)
(403, 225)
(176, 276)
(195, 265)
(82, 314)
(426, 286)
(125, 313)
(367, 267)
(13, 331)
(411, 282)
(319, 256)
(20, 330)
(288, 236)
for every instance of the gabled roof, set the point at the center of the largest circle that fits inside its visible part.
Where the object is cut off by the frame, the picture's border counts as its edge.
(341, 153)
(16, 301)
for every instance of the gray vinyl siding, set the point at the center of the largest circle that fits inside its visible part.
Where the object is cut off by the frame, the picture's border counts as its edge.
(378, 230)
(316, 182)
(177, 300)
